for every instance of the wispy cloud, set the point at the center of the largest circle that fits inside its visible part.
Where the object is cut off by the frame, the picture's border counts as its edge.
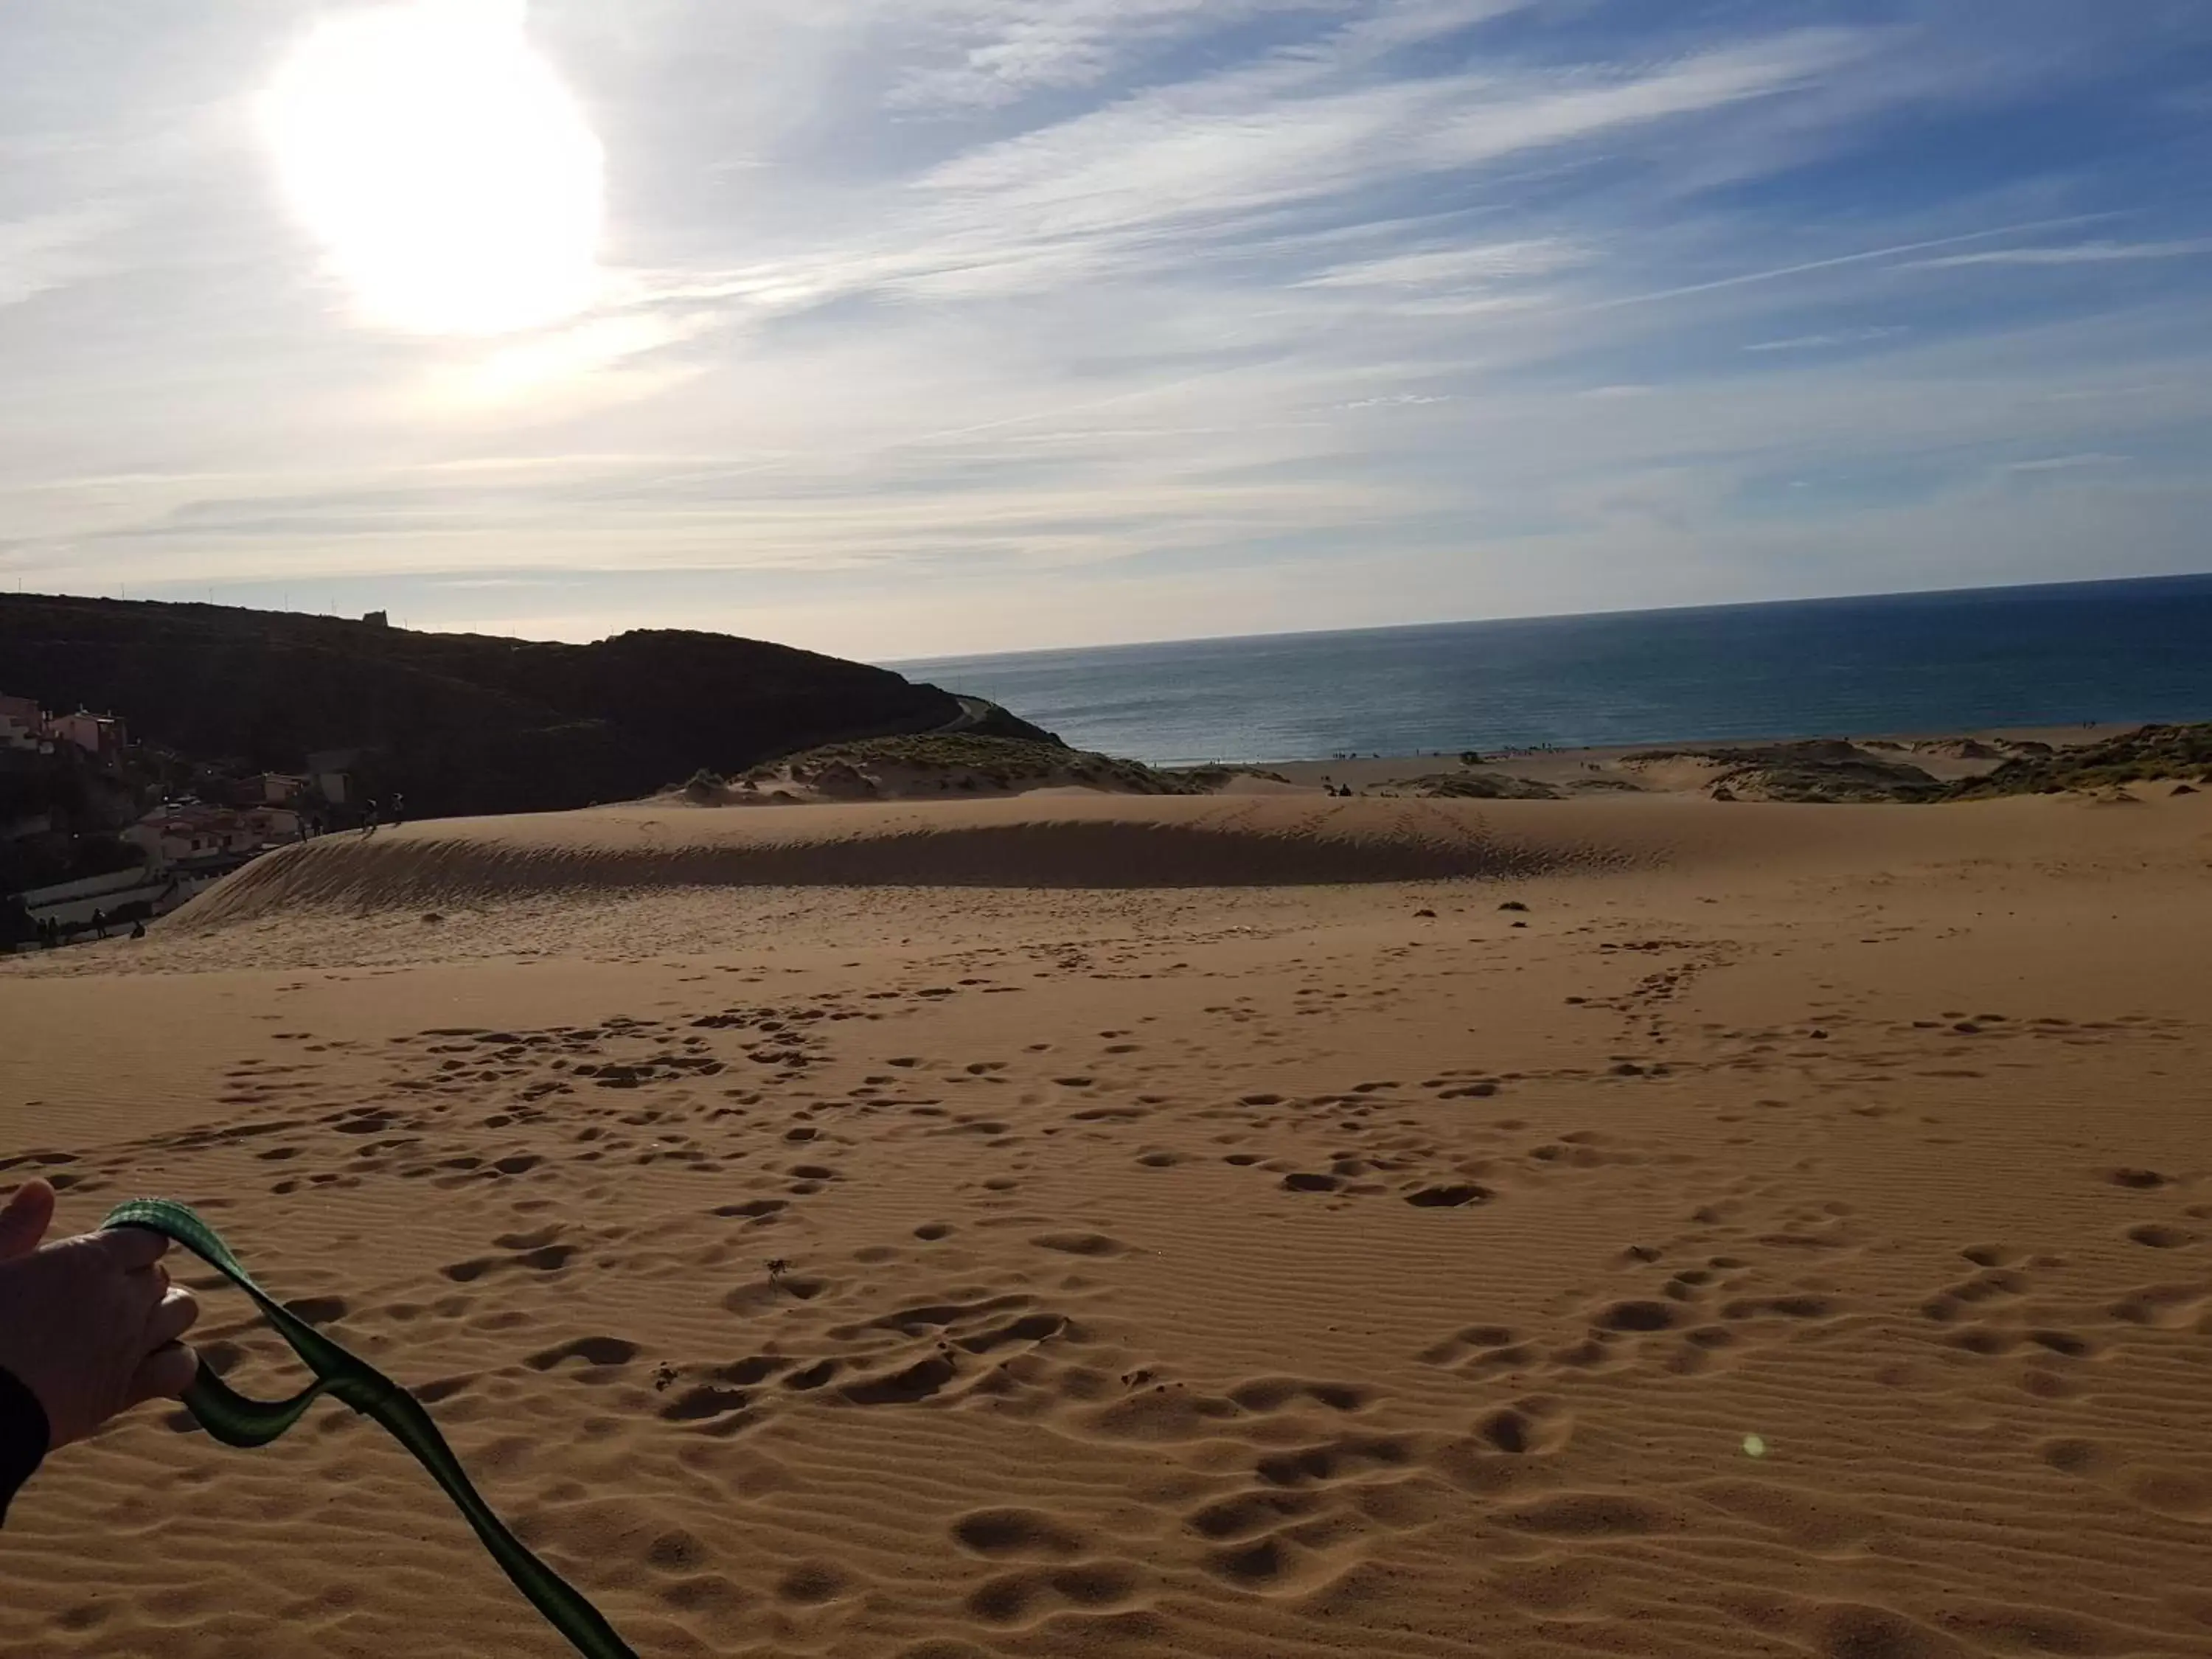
(1472, 264)
(2072, 253)
(991, 52)
(1399, 400)
(48, 251)
(2067, 463)
(1825, 342)
(1257, 138)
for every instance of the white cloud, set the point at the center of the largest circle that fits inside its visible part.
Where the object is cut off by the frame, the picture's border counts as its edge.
(1399, 400)
(2067, 463)
(1455, 267)
(2073, 253)
(992, 52)
(48, 251)
(1822, 342)
(983, 54)
(1484, 128)
(1149, 184)
(1153, 184)
(587, 360)
(1237, 144)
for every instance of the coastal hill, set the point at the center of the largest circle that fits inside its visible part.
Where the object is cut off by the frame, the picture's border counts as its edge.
(460, 723)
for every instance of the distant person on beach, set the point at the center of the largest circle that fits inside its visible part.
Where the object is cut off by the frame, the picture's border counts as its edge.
(399, 810)
(90, 1327)
(100, 923)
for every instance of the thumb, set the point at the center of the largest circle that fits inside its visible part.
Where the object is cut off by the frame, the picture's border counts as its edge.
(164, 1374)
(24, 1220)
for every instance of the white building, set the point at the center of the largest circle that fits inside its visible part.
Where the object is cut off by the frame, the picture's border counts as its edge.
(72, 904)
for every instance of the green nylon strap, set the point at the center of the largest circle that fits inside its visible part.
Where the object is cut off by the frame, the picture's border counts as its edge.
(235, 1420)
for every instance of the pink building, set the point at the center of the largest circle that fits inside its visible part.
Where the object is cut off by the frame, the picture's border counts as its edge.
(179, 832)
(96, 734)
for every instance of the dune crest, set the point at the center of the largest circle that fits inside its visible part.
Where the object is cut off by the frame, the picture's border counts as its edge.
(1036, 841)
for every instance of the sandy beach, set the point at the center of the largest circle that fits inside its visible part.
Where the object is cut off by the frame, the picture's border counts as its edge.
(1238, 1226)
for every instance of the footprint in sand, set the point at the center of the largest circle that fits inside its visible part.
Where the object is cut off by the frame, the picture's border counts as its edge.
(1018, 1534)
(1032, 1594)
(2157, 1235)
(551, 1259)
(2160, 1307)
(597, 1352)
(2179, 1493)
(1480, 1349)
(1456, 1196)
(1535, 1427)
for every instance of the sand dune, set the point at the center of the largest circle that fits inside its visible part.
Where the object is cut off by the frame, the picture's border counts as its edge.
(1789, 1234)
(1082, 840)
(1072, 840)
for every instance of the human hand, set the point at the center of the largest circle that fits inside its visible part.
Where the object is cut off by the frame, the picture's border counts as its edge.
(90, 1326)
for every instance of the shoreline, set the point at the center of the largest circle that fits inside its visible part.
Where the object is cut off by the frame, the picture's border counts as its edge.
(1563, 767)
(2061, 736)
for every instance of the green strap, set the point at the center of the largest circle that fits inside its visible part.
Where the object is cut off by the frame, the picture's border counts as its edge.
(235, 1420)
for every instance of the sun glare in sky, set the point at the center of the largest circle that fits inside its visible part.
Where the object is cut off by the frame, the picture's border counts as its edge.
(453, 180)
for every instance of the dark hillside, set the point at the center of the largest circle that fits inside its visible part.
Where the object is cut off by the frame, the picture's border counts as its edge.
(460, 722)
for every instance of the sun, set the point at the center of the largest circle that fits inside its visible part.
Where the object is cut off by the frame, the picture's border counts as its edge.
(453, 179)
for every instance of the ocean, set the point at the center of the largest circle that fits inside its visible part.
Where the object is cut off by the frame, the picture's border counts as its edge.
(1907, 663)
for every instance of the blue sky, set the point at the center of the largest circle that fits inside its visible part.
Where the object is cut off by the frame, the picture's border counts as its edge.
(917, 327)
